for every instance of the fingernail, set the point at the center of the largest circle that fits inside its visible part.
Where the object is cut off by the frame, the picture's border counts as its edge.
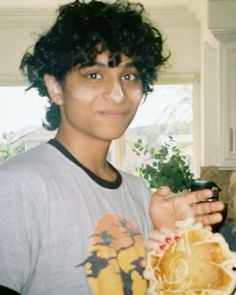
(176, 238)
(162, 246)
(168, 239)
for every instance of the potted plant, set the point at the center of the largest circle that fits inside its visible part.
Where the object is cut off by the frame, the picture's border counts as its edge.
(169, 167)
(164, 167)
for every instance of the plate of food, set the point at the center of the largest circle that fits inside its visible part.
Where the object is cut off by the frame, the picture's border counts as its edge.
(199, 263)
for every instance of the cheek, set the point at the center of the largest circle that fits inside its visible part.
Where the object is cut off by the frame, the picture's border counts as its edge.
(79, 94)
(136, 97)
(78, 98)
(75, 103)
(135, 94)
(138, 93)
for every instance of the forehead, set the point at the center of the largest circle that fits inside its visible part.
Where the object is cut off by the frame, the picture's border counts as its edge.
(104, 59)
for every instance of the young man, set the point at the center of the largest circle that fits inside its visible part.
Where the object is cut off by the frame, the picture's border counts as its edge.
(70, 222)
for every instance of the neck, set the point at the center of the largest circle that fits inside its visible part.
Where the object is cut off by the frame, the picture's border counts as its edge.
(90, 152)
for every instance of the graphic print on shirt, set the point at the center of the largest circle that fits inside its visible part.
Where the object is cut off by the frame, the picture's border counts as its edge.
(114, 254)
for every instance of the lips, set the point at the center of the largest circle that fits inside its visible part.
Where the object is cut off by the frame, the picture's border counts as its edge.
(114, 113)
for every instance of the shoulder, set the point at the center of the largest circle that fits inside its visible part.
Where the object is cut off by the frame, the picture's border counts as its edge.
(131, 177)
(137, 183)
(30, 160)
(24, 180)
(27, 167)
(35, 154)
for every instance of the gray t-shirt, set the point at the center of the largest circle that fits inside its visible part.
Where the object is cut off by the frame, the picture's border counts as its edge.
(64, 231)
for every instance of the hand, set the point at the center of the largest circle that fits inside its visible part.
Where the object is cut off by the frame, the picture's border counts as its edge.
(164, 211)
(158, 239)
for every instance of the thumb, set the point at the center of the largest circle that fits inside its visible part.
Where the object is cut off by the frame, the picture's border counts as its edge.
(160, 193)
(158, 198)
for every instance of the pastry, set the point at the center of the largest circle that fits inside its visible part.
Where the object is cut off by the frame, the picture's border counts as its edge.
(199, 263)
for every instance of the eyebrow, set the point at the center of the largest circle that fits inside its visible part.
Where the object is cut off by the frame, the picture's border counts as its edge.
(125, 64)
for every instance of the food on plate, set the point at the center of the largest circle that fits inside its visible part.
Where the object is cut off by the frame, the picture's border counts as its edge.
(200, 263)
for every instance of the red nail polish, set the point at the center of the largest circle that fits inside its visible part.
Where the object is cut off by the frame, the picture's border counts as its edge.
(162, 246)
(168, 239)
(176, 238)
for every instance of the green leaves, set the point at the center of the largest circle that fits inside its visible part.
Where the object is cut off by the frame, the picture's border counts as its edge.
(167, 166)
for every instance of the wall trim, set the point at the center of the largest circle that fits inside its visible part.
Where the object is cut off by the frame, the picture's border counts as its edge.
(12, 80)
(167, 77)
(224, 35)
(28, 17)
(172, 16)
(25, 17)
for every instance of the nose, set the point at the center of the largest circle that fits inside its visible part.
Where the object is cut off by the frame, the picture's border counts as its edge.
(115, 92)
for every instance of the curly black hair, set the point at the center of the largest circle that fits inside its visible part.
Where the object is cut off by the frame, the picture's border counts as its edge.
(81, 31)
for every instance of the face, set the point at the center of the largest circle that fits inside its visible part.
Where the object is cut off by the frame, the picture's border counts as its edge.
(99, 101)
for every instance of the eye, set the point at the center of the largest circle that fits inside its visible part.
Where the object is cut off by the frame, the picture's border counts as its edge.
(93, 76)
(130, 76)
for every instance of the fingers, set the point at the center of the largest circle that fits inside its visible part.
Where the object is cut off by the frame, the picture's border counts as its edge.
(157, 240)
(191, 197)
(208, 213)
(164, 211)
(198, 196)
(207, 207)
(209, 219)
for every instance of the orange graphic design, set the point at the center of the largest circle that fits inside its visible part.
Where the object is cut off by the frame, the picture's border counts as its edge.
(113, 264)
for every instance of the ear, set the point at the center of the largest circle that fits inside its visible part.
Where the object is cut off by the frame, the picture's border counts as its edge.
(54, 89)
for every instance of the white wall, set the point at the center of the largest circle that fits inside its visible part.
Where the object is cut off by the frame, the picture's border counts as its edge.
(18, 31)
(178, 25)
(181, 31)
(218, 94)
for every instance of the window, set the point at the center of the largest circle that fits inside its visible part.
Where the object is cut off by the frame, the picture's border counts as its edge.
(167, 111)
(21, 115)
(20, 109)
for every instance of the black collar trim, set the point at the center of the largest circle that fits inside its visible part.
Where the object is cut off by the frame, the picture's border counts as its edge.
(105, 183)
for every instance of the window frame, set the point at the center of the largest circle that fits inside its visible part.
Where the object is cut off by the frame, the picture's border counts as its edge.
(118, 149)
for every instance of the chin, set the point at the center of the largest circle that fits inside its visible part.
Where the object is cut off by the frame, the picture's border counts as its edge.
(111, 136)
(109, 133)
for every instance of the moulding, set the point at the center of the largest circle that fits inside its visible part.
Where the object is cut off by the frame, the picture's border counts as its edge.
(12, 80)
(25, 17)
(167, 77)
(172, 16)
(28, 17)
(221, 19)
(50, 4)
(224, 35)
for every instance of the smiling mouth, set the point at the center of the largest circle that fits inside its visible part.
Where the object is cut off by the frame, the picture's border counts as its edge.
(114, 114)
